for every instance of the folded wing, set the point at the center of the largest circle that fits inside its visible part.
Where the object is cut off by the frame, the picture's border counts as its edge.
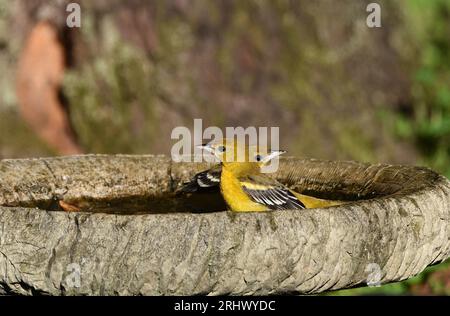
(203, 180)
(269, 192)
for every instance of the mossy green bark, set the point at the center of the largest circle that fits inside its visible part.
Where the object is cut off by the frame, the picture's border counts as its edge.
(315, 69)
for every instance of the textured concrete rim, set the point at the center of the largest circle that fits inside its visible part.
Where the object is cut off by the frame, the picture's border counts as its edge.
(401, 226)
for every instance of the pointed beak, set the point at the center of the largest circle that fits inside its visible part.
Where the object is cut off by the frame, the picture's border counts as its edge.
(206, 147)
(273, 154)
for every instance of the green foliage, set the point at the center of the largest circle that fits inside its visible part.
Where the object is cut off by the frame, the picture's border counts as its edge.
(429, 124)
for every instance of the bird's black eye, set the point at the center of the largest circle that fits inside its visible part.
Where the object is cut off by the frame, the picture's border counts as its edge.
(258, 157)
(221, 149)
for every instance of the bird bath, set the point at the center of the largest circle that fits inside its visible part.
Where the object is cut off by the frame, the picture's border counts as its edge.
(134, 235)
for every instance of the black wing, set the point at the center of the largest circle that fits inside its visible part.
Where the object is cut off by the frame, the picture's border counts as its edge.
(270, 193)
(206, 179)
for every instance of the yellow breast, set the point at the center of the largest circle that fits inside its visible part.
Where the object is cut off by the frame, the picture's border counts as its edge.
(234, 195)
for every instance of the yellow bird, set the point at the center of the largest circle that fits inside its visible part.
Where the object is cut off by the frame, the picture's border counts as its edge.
(243, 186)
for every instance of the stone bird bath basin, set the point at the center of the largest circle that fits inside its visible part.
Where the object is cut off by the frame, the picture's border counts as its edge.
(135, 236)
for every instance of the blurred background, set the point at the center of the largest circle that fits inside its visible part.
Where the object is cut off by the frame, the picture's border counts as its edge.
(134, 70)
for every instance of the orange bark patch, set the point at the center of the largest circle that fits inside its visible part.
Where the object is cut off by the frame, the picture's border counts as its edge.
(39, 77)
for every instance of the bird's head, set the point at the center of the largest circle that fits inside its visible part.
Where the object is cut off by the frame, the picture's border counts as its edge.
(263, 155)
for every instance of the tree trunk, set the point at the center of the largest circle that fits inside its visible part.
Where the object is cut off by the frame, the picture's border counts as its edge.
(134, 235)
